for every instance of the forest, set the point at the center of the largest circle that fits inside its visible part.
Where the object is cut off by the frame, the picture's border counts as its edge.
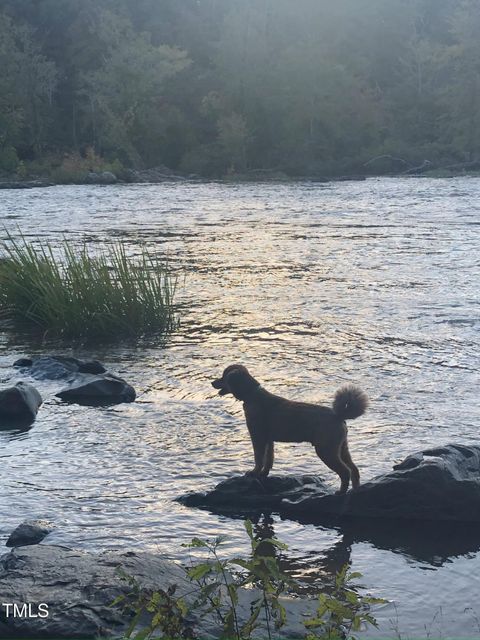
(239, 87)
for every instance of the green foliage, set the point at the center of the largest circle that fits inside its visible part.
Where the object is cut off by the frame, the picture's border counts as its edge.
(75, 167)
(125, 92)
(167, 613)
(71, 293)
(224, 87)
(27, 84)
(343, 612)
(8, 159)
(216, 577)
(219, 583)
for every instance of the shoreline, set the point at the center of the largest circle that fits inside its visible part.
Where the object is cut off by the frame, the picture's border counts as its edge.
(38, 183)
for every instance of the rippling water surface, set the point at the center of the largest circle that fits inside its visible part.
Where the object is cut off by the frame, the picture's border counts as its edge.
(310, 286)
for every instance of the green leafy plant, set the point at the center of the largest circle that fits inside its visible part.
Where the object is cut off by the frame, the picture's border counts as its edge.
(343, 612)
(219, 584)
(71, 293)
(74, 168)
(167, 612)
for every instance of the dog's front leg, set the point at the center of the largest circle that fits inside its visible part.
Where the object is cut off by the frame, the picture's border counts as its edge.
(259, 452)
(268, 459)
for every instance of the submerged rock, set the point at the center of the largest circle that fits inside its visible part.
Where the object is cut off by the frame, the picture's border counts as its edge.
(246, 493)
(58, 367)
(440, 484)
(19, 404)
(29, 532)
(98, 389)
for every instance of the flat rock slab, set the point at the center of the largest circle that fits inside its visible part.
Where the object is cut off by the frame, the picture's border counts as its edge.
(97, 390)
(440, 484)
(58, 367)
(19, 405)
(29, 532)
(248, 494)
(78, 588)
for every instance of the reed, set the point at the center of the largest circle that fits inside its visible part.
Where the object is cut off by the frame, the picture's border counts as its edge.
(71, 293)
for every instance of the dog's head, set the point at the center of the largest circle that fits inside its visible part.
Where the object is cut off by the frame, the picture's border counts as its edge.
(237, 381)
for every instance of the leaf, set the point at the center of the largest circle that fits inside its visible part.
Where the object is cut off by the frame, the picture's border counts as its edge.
(133, 623)
(117, 601)
(354, 575)
(232, 590)
(196, 542)
(199, 571)
(229, 626)
(249, 626)
(249, 529)
(281, 617)
(245, 564)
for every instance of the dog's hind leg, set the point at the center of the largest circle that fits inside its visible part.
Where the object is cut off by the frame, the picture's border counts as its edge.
(268, 459)
(335, 463)
(347, 459)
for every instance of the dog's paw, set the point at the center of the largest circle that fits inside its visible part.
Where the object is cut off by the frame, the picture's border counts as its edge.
(254, 473)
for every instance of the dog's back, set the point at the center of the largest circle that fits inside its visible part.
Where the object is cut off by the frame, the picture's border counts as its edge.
(289, 421)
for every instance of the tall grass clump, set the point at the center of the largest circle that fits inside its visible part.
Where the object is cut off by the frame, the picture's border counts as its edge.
(73, 294)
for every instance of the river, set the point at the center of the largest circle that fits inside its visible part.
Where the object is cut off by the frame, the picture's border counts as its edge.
(310, 286)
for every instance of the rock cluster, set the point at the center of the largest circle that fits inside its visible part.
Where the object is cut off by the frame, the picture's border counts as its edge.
(441, 484)
(88, 381)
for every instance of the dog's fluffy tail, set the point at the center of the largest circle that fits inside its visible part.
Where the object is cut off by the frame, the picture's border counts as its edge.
(350, 402)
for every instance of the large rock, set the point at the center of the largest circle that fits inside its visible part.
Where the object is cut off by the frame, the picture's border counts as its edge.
(58, 367)
(440, 484)
(19, 404)
(102, 177)
(29, 532)
(248, 494)
(79, 588)
(102, 389)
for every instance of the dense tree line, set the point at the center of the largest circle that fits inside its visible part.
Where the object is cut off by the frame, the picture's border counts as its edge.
(307, 87)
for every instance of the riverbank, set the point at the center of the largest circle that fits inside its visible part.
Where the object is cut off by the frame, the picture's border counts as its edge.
(162, 175)
(154, 176)
(76, 590)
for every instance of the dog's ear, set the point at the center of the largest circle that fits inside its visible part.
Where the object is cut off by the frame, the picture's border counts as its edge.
(240, 383)
(234, 382)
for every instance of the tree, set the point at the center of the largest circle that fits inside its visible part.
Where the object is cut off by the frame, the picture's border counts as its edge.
(125, 95)
(27, 85)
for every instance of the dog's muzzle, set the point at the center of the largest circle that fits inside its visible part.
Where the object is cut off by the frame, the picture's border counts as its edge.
(219, 384)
